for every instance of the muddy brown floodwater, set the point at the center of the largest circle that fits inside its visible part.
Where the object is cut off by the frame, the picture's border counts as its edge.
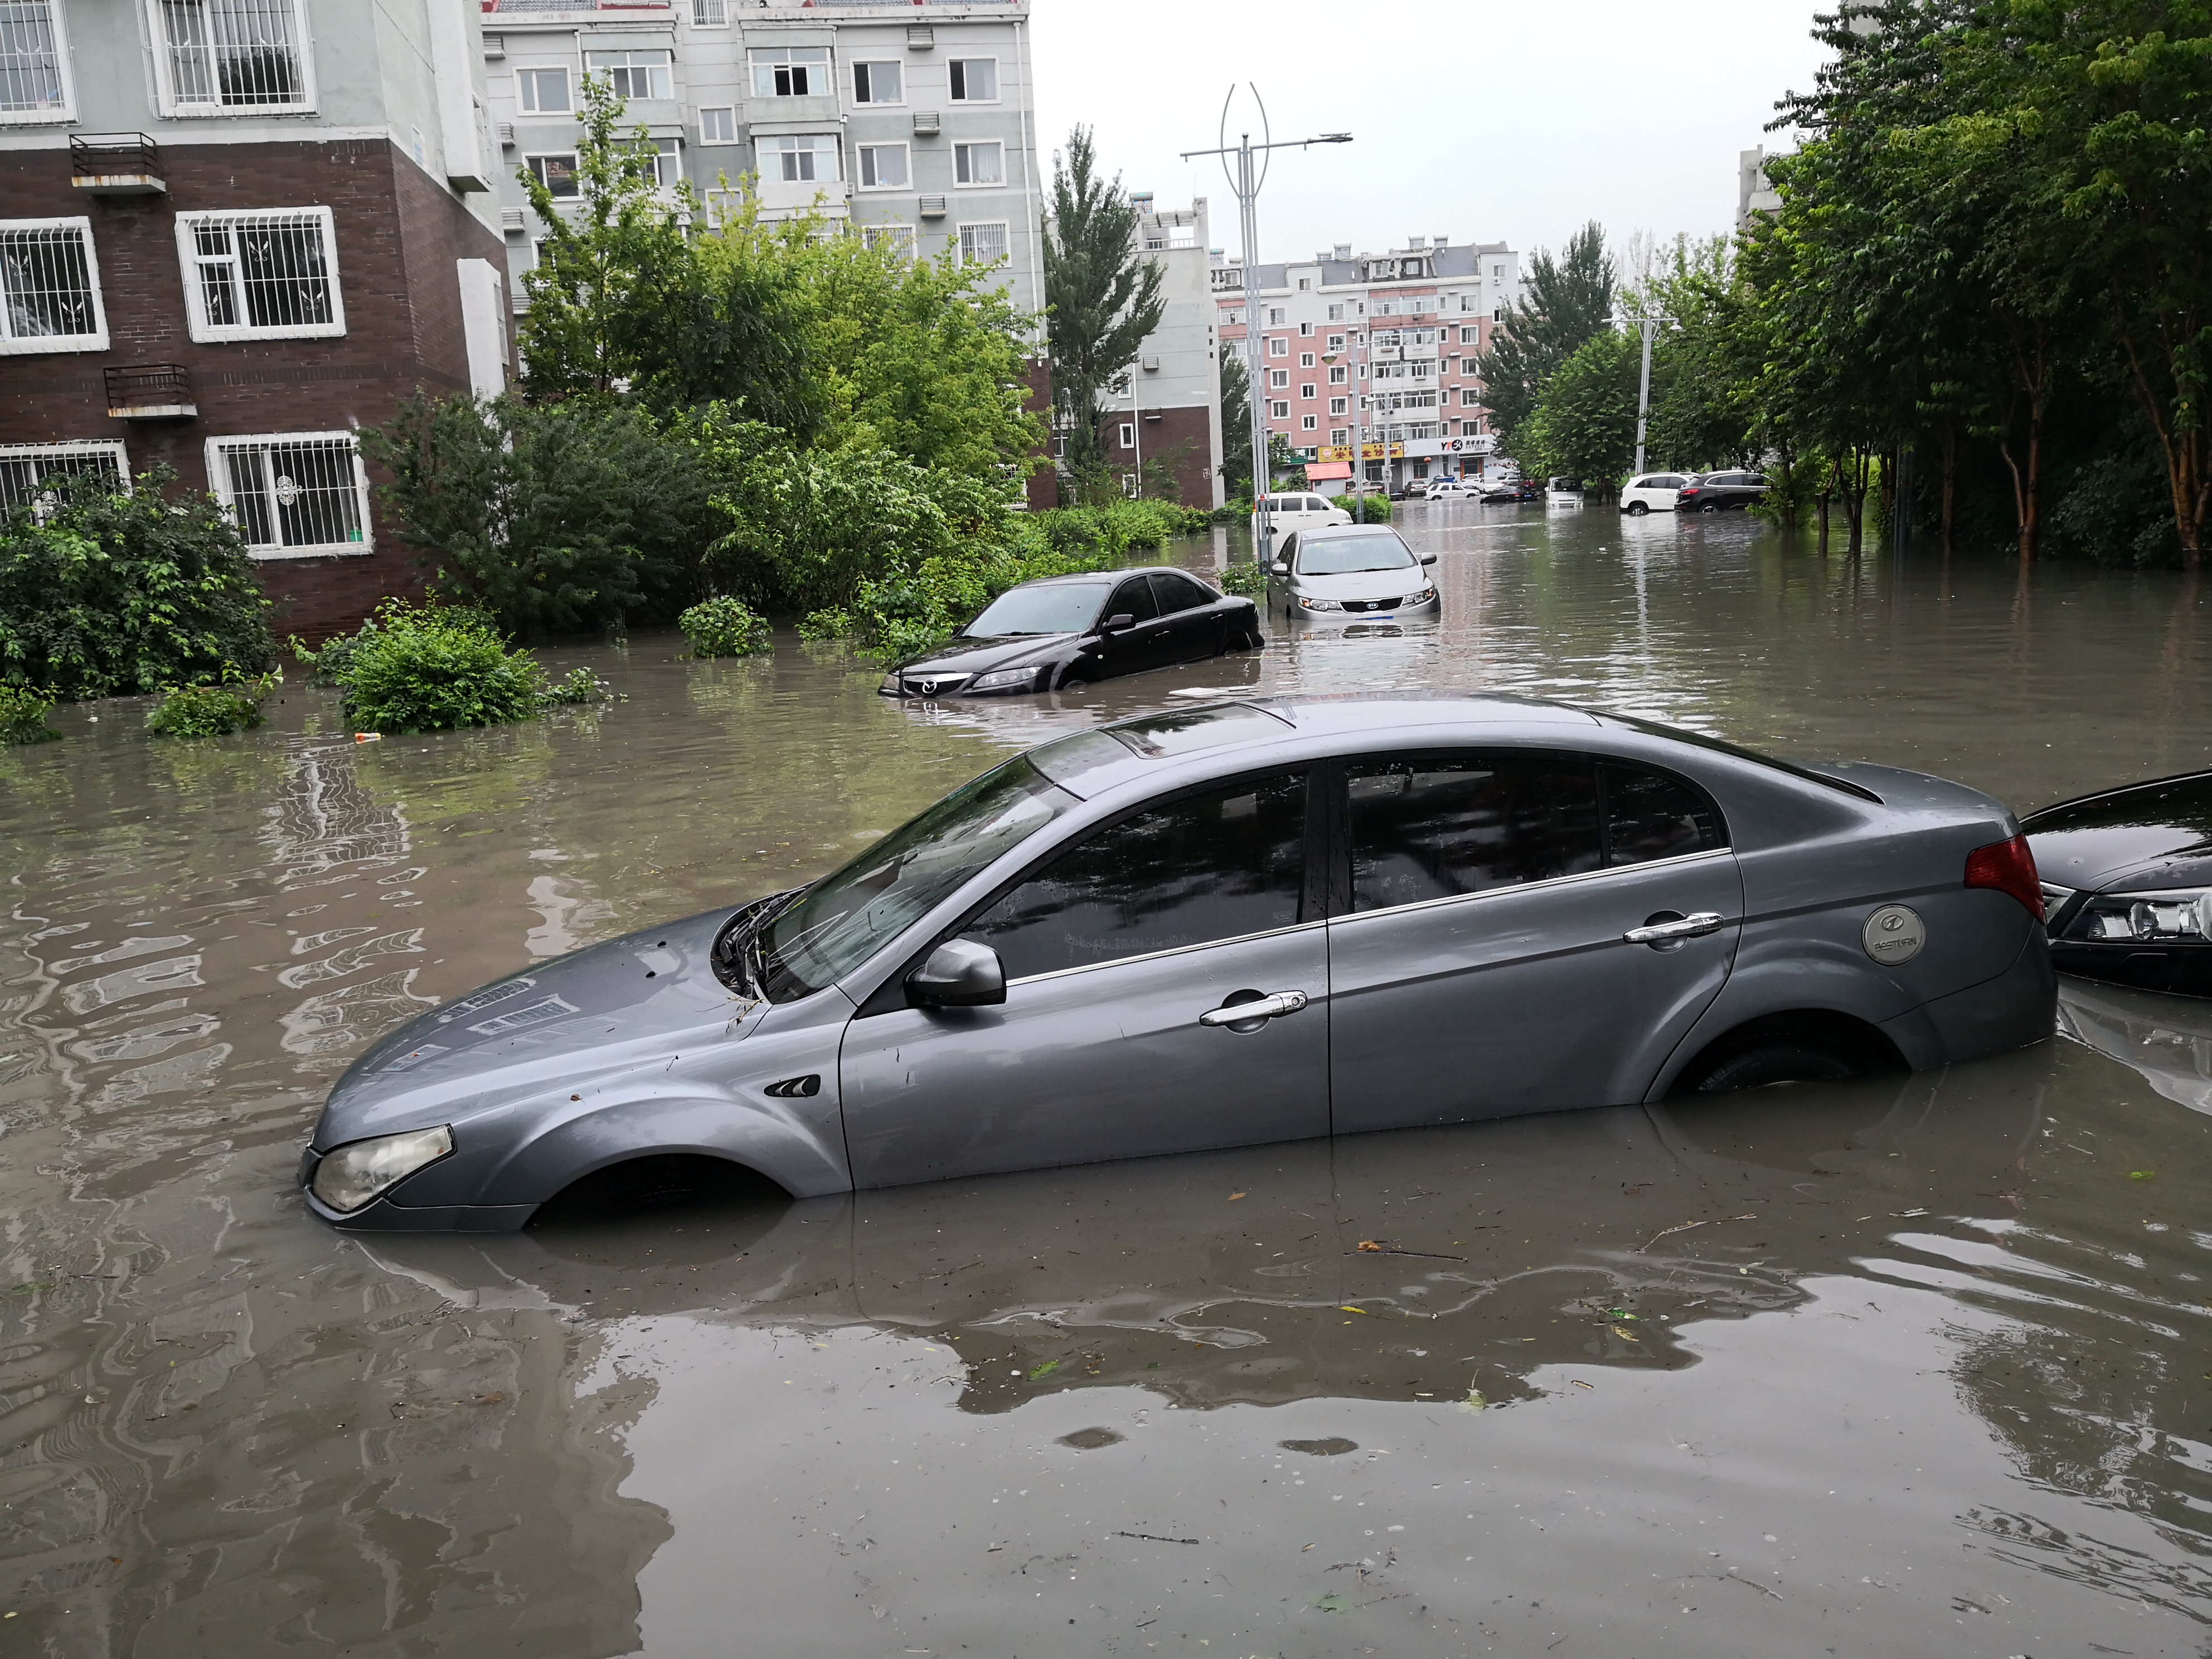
(1912, 1366)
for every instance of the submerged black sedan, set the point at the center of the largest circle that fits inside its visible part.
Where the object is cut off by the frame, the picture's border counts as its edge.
(2127, 883)
(1063, 632)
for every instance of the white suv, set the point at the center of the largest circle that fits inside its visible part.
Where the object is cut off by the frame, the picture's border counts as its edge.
(1290, 513)
(1653, 492)
(1447, 490)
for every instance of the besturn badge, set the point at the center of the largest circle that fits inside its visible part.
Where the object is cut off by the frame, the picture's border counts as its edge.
(1895, 934)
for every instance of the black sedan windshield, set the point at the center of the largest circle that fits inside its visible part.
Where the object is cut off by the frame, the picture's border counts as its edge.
(1345, 555)
(844, 918)
(1065, 609)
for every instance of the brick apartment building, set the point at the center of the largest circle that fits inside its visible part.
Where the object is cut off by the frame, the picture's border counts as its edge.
(1401, 331)
(233, 232)
(1168, 405)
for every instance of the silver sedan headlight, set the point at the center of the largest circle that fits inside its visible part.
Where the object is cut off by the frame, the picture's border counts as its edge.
(1005, 679)
(1423, 596)
(2173, 918)
(350, 1175)
(1319, 604)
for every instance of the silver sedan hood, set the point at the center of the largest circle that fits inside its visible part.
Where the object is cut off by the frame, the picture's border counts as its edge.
(1365, 584)
(596, 1009)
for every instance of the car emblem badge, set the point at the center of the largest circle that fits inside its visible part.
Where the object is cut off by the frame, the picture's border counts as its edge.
(1894, 934)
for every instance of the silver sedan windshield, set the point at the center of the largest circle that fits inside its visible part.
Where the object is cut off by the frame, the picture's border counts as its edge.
(844, 918)
(1061, 610)
(1345, 555)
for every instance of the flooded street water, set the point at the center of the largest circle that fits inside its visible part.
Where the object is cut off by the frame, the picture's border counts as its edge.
(1913, 1365)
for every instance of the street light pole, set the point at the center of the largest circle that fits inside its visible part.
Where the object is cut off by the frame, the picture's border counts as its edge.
(1245, 162)
(1650, 326)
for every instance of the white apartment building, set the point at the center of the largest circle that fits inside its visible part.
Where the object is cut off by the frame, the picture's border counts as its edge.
(909, 119)
(1170, 406)
(1401, 333)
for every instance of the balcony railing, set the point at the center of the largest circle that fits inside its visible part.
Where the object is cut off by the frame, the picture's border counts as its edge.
(116, 164)
(150, 392)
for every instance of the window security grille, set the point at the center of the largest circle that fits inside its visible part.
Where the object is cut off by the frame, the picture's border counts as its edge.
(49, 288)
(294, 494)
(983, 245)
(708, 14)
(899, 238)
(262, 273)
(634, 75)
(27, 473)
(231, 54)
(30, 60)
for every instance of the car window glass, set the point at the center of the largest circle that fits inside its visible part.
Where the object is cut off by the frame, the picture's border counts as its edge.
(1344, 555)
(1437, 826)
(1133, 599)
(1214, 866)
(1755, 478)
(1651, 814)
(1177, 593)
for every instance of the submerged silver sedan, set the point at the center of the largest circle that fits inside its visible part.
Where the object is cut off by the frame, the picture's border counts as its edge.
(1246, 922)
(1351, 572)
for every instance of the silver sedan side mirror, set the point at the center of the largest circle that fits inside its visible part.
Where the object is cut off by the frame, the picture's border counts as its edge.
(1279, 568)
(959, 974)
(1428, 558)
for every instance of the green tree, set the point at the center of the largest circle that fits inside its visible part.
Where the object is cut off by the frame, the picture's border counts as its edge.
(1570, 300)
(1584, 424)
(1235, 425)
(1102, 295)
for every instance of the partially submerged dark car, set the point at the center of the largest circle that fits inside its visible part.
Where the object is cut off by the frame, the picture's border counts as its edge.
(1063, 632)
(2127, 883)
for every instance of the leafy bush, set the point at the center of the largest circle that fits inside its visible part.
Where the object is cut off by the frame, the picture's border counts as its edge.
(103, 594)
(580, 685)
(208, 711)
(23, 715)
(723, 627)
(1246, 578)
(1377, 510)
(433, 668)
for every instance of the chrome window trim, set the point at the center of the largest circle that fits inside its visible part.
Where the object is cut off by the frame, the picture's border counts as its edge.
(1176, 951)
(1548, 882)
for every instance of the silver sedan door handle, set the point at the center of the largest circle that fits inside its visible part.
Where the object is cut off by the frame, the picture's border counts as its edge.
(1252, 1012)
(1705, 921)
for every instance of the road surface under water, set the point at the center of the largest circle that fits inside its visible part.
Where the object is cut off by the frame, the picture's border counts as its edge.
(1916, 1365)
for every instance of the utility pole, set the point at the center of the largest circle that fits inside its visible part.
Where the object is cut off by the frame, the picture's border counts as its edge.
(1246, 165)
(1650, 326)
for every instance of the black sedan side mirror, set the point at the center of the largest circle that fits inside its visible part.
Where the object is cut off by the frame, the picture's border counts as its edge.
(959, 974)
(1120, 623)
(1428, 558)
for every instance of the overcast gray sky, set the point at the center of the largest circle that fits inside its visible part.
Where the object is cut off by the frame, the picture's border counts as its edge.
(1484, 121)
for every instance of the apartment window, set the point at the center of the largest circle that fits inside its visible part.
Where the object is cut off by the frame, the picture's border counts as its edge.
(1279, 379)
(979, 164)
(983, 245)
(543, 91)
(1336, 342)
(790, 72)
(26, 468)
(1469, 302)
(1336, 314)
(34, 63)
(557, 172)
(1309, 423)
(1278, 347)
(1469, 398)
(1497, 273)
(883, 166)
(709, 14)
(293, 494)
(797, 158)
(667, 161)
(1305, 331)
(216, 55)
(634, 75)
(1498, 315)
(1336, 406)
(1279, 411)
(1308, 389)
(1340, 435)
(975, 79)
(1305, 360)
(899, 238)
(1128, 434)
(878, 83)
(1336, 375)
(1470, 336)
(269, 274)
(718, 126)
(50, 287)
(1275, 315)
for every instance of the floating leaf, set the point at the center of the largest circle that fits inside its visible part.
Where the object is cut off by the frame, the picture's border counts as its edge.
(1045, 1370)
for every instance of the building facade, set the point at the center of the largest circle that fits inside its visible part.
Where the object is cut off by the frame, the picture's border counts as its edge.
(233, 232)
(1167, 411)
(1381, 349)
(908, 121)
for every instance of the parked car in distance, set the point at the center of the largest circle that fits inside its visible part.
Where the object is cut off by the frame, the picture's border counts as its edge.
(1063, 632)
(1444, 489)
(1298, 511)
(2127, 878)
(1519, 490)
(1563, 489)
(1363, 571)
(1224, 926)
(1652, 492)
(1720, 492)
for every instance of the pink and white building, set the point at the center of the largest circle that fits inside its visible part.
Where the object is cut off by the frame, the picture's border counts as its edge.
(1385, 344)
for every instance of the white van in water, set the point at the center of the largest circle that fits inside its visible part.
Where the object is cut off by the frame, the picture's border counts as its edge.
(1287, 513)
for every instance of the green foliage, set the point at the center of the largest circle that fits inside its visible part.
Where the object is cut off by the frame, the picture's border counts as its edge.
(104, 594)
(1585, 423)
(208, 711)
(1569, 300)
(1366, 510)
(1236, 426)
(23, 715)
(1102, 297)
(1116, 526)
(723, 627)
(1244, 577)
(434, 668)
(578, 686)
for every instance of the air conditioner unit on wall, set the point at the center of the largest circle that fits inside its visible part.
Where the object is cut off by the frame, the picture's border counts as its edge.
(921, 37)
(927, 124)
(933, 207)
(510, 221)
(507, 135)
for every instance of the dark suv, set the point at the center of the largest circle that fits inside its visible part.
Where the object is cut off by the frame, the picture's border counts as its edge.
(1717, 492)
